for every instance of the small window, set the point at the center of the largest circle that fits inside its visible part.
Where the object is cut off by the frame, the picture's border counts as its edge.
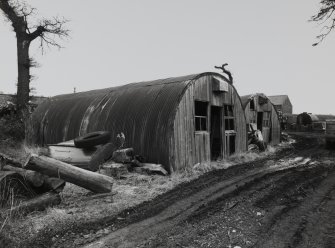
(228, 110)
(229, 124)
(229, 117)
(252, 104)
(200, 110)
(266, 119)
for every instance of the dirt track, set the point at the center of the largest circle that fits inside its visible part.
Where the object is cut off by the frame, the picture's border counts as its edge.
(287, 200)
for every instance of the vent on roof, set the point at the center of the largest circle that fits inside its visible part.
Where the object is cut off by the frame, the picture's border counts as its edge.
(219, 85)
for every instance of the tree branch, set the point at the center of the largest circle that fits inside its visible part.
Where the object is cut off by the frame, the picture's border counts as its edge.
(325, 14)
(48, 30)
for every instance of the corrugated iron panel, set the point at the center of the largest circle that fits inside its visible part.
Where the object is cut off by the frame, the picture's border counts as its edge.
(144, 112)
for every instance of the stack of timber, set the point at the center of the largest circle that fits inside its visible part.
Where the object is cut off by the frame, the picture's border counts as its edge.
(44, 178)
(124, 160)
(86, 158)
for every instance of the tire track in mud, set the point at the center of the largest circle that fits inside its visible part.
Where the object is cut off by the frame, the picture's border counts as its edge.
(212, 187)
(184, 209)
(149, 208)
(306, 184)
(290, 228)
(131, 235)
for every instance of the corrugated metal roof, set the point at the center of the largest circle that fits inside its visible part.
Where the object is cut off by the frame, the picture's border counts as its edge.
(325, 117)
(143, 111)
(278, 100)
(306, 118)
(247, 98)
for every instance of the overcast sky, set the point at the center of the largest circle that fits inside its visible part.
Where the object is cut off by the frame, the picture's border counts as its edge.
(267, 43)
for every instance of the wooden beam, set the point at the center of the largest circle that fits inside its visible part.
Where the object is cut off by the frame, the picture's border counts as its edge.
(90, 180)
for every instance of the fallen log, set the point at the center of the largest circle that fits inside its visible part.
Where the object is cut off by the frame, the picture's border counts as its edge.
(89, 180)
(38, 203)
(34, 178)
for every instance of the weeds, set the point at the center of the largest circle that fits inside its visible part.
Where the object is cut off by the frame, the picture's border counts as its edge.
(12, 129)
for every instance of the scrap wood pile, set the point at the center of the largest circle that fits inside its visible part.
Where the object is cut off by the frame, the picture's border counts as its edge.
(36, 183)
(97, 152)
(124, 161)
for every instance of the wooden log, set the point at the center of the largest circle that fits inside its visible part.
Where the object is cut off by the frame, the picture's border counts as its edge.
(89, 180)
(38, 203)
(34, 178)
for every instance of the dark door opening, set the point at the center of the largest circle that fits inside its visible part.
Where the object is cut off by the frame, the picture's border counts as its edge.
(260, 121)
(216, 132)
(231, 144)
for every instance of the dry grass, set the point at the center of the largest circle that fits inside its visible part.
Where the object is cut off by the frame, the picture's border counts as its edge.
(78, 206)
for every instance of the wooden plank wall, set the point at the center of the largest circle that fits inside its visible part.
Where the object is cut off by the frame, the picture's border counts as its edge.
(266, 132)
(275, 125)
(240, 122)
(188, 147)
(202, 88)
(275, 128)
(202, 147)
(182, 144)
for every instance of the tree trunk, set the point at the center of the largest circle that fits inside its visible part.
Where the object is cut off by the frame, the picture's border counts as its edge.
(23, 66)
(54, 168)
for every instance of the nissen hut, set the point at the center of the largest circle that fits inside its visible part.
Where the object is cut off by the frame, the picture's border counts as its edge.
(177, 122)
(260, 111)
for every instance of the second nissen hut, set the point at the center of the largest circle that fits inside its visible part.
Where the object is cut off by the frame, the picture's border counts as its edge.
(260, 111)
(177, 122)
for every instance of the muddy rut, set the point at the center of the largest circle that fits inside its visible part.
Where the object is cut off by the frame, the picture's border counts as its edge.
(286, 200)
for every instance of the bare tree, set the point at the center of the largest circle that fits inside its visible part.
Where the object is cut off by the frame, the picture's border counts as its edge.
(325, 16)
(26, 30)
(224, 70)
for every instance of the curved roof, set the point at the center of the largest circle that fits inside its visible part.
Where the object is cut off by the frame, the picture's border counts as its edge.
(247, 98)
(143, 111)
(278, 100)
(306, 118)
(325, 117)
(309, 117)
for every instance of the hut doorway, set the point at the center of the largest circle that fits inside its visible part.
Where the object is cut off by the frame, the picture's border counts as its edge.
(260, 121)
(216, 132)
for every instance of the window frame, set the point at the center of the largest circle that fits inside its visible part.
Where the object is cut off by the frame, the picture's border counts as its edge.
(228, 118)
(266, 119)
(200, 121)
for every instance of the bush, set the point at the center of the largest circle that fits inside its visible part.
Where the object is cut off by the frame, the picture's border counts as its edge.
(11, 128)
